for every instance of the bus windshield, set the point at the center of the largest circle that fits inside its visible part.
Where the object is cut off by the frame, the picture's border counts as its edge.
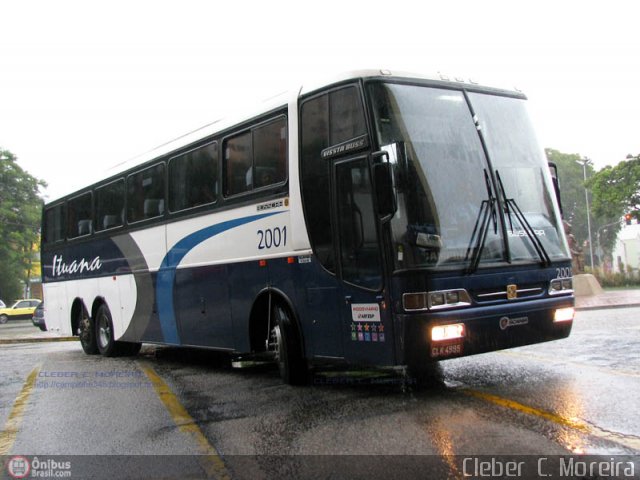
(448, 197)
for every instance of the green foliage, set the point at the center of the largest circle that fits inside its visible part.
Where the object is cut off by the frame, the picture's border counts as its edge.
(20, 214)
(616, 279)
(616, 189)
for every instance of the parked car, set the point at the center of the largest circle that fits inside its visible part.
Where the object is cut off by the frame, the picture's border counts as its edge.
(38, 317)
(20, 309)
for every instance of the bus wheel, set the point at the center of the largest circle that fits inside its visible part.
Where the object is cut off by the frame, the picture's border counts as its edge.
(287, 348)
(104, 332)
(87, 333)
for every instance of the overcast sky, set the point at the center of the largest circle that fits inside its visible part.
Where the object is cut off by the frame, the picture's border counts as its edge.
(85, 85)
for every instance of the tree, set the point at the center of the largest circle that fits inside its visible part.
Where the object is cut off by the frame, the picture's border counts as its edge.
(20, 214)
(616, 189)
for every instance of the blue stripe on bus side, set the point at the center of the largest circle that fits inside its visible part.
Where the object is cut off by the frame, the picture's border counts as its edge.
(167, 272)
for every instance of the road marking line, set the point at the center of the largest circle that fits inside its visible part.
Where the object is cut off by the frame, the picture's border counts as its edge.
(504, 402)
(210, 460)
(12, 426)
(629, 441)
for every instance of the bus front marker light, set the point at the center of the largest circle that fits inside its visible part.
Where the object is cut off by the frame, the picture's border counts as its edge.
(564, 314)
(436, 299)
(453, 297)
(447, 332)
(414, 301)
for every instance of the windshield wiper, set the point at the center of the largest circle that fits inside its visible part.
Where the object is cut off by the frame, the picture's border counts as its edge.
(481, 228)
(512, 208)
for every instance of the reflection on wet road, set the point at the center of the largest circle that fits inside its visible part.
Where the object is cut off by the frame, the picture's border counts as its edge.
(577, 395)
(588, 385)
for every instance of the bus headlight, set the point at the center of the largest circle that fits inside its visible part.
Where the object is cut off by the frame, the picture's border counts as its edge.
(436, 300)
(564, 314)
(560, 286)
(447, 332)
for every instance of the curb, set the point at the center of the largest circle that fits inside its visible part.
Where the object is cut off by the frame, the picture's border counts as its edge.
(607, 307)
(10, 341)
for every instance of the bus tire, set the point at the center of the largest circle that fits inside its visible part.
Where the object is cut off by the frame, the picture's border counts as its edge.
(288, 350)
(107, 346)
(87, 333)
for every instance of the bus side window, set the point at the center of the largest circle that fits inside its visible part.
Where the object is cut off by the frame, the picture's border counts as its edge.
(79, 218)
(238, 164)
(193, 178)
(145, 194)
(109, 205)
(270, 153)
(256, 158)
(54, 224)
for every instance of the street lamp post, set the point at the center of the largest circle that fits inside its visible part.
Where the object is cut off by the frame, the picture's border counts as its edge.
(586, 199)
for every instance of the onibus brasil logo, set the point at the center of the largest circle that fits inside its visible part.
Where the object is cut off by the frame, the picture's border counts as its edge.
(20, 467)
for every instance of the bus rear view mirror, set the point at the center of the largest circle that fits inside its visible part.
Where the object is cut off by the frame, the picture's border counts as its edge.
(383, 179)
(556, 184)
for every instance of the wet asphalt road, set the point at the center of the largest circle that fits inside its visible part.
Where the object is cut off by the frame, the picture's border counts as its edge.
(578, 395)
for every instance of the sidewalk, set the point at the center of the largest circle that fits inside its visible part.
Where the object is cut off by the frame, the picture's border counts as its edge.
(23, 331)
(609, 299)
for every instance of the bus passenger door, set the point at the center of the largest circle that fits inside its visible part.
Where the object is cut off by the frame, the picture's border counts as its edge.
(364, 317)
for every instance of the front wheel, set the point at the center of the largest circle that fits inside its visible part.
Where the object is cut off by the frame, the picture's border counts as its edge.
(3, 318)
(288, 348)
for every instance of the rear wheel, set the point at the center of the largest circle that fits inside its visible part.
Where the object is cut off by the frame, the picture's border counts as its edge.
(3, 318)
(105, 337)
(104, 332)
(87, 334)
(287, 348)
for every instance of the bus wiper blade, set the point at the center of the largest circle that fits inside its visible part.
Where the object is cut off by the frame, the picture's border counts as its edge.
(481, 228)
(511, 207)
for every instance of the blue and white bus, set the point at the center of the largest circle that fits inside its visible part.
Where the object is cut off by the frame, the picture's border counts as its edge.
(378, 219)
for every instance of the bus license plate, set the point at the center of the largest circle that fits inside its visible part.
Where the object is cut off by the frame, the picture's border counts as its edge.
(448, 350)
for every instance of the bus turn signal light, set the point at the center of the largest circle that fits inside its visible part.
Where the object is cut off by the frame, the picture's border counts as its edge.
(564, 314)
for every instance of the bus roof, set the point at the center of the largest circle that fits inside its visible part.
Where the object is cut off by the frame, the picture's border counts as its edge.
(277, 102)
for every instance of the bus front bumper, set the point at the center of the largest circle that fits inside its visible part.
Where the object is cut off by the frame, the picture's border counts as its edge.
(432, 336)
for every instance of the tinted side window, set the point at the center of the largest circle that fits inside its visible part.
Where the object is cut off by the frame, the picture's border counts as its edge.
(315, 178)
(347, 118)
(256, 158)
(79, 219)
(193, 178)
(326, 120)
(238, 164)
(359, 246)
(145, 194)
(110, 206)
(54, 224)
(270, 153)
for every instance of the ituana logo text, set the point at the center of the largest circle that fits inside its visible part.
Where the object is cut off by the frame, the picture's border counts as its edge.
(60, 267)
